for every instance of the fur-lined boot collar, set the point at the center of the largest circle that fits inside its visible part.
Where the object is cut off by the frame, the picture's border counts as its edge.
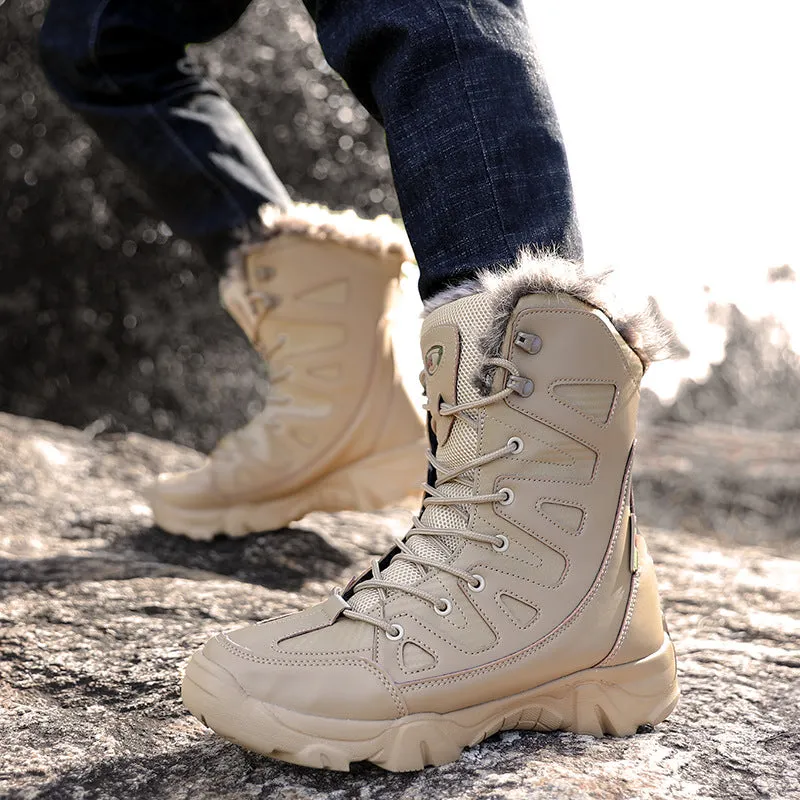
(380, 235)
(643, 329)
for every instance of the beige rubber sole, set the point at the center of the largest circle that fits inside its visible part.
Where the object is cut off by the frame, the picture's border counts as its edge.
(373, 483)
(614, 701)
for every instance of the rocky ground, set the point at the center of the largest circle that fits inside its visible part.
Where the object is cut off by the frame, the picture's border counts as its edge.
(100, 610)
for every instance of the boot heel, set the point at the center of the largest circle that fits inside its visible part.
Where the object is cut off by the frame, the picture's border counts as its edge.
(620, 700)
(389, 478)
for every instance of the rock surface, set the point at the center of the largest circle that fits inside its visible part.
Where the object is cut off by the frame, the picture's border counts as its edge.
(100, 610)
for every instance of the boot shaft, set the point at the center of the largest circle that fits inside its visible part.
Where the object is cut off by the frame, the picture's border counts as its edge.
(313, 298)
(314, 295)
(561, 574)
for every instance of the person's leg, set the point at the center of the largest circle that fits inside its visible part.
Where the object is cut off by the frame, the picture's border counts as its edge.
(122, 64)
(477, 154)
(476, 150)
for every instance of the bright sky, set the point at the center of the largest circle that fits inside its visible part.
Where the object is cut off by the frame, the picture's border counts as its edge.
(682, 123)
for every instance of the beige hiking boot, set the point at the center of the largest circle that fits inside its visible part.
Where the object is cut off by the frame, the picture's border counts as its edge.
(523, 598)
(338, 431)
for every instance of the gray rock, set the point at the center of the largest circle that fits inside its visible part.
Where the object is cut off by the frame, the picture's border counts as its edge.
(100, 610)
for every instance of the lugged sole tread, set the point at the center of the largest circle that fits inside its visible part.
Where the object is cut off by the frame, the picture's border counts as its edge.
(590, 706)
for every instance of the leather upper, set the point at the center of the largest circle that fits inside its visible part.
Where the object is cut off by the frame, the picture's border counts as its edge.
(557, 600)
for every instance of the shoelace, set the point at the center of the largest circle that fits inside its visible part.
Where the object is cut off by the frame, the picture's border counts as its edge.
(434, 496)
(261, 304)
(268, 302)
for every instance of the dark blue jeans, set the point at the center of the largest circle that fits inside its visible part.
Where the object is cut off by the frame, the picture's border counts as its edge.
(476, 152)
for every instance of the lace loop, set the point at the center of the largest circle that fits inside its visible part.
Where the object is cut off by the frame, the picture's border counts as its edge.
(446, 474)
(261, 304)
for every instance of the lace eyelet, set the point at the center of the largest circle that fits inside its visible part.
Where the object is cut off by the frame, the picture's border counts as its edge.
(396, 636)
(503, 546)
(268, 301)
(518, 444)
(520, 384)
(479, 584)
(529, 342)
(509, 496)
(448, 607)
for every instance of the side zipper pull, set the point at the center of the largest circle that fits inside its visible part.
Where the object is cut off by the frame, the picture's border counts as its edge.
(632, 531)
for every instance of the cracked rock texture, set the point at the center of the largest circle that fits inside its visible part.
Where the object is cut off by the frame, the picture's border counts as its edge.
(100, 610)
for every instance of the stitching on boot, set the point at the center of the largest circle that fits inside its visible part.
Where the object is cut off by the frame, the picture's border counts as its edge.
(587, 382)
(535, 557)
(402, 667)
(561, 501)
(502, 592)
(623, 634)
(538, 312)
(424, 684)
(247, 655)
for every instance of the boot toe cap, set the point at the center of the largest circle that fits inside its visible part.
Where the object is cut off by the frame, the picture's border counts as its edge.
(191, 489)
(340, 685)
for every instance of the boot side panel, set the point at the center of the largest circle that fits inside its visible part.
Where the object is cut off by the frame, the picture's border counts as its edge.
(580, 641)
(570, 478)
(332, 311)
(642, 631)
(577, 582)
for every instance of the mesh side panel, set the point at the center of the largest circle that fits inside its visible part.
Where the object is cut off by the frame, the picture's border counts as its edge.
(403, 572)
(472, 315)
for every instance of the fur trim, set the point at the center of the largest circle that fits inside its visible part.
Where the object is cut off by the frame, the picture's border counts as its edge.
(644, 329)
(451, 293)
(381, 235)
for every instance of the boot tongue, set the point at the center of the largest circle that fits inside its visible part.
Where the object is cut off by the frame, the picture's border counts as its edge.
(452, 355)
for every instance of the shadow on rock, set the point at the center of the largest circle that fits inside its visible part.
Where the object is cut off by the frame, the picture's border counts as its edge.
(283, 559)
(70, 568)
(214, 768)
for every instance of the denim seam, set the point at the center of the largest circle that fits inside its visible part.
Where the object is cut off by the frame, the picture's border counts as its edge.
(477, 129)
(229, 198)
(94, 36)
